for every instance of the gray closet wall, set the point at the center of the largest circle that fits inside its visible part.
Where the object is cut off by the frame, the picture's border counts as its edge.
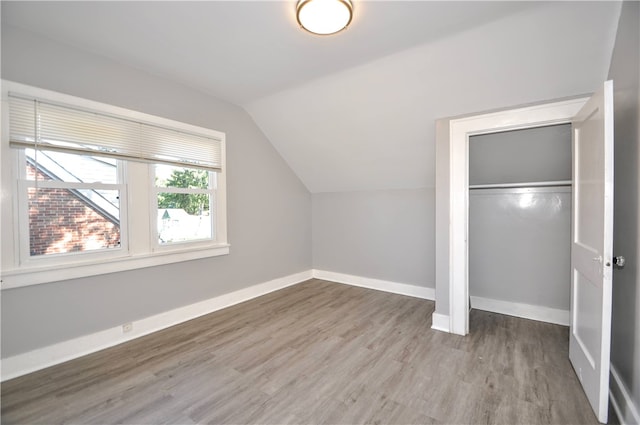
(519, 237)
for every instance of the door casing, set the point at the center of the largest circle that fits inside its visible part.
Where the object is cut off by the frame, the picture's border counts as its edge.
(455, 188)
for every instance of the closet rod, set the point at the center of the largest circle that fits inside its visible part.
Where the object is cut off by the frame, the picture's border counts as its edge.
(520, 185)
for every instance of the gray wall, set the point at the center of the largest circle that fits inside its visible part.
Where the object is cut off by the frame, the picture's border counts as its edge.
(520, 238)
(269, 210)
(386, 234)
(520, 245)
(528, 155)
(625, 73)
(442, 216)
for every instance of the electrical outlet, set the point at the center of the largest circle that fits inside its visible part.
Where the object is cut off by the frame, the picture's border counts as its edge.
(127, 327)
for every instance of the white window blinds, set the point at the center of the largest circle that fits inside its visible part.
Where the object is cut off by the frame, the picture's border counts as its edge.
(38, 124)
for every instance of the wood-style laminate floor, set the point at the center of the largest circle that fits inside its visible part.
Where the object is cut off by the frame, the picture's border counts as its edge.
(317, 352)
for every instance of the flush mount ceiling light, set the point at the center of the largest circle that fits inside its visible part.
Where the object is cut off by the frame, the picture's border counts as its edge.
(324, 17)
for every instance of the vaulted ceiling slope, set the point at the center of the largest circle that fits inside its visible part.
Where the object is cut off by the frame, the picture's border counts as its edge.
(354, 111)
(372, 126)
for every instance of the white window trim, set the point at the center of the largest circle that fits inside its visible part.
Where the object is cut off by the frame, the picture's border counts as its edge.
(140, 252)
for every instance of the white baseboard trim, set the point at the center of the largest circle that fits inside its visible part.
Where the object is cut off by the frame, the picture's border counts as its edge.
(621, 400)
(440, 322)
(526, 311)
(31, 361)
(377, 284)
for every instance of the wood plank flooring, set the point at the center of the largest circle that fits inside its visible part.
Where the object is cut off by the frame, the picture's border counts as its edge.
(318, 352)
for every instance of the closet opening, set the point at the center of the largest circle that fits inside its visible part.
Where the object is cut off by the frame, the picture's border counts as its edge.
(519, 225)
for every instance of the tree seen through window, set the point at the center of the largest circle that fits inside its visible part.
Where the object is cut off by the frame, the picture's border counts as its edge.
(193, 204)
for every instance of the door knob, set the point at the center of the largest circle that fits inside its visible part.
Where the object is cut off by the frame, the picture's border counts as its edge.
(619, 261)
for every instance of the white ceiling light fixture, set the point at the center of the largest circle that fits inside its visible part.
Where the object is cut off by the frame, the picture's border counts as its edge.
(324, 17)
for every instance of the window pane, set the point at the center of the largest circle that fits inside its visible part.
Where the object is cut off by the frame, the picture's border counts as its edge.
(69, 167)
(183, 217)
(64, 220)
(192, 178)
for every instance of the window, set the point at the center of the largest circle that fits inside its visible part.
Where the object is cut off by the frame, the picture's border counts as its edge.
(79, 173)
(70, 203)
(184, 201)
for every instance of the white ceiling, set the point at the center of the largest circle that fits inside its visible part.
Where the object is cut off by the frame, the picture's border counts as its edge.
(354, 111)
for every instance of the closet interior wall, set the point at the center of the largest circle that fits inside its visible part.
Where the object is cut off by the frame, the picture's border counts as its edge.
(520, 218)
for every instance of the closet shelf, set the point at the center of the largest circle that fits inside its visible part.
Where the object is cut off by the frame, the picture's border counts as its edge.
(521, 185)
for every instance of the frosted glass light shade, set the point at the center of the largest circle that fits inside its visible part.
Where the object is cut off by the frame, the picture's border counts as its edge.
(324, 16)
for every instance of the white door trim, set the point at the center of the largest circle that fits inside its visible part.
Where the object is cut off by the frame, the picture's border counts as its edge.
(459, 132)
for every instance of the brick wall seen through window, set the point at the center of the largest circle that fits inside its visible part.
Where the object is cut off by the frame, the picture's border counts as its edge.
(62, 221)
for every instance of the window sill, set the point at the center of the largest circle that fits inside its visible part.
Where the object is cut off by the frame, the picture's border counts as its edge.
(33, 276)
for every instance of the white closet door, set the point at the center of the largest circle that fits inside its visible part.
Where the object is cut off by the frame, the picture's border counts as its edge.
(591, 248)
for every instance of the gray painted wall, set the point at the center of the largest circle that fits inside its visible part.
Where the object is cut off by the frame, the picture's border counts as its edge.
(386, 234)
(528, 155)
(442, 216)
(520, 238)
(520, 245)
(625, 73)
(269, 210)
